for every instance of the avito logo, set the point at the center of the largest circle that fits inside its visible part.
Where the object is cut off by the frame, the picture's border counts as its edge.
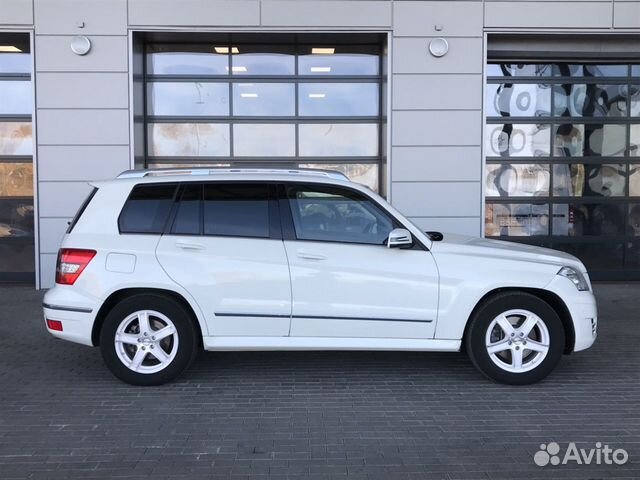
(549, 453)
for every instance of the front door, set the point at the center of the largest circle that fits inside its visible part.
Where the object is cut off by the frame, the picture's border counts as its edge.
(345, 281)
(225, 247)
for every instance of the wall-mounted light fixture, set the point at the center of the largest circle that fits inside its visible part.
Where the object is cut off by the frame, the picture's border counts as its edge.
(80, 45)
(438, 47)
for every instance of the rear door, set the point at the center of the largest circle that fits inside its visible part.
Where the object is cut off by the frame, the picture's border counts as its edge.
(224, 245)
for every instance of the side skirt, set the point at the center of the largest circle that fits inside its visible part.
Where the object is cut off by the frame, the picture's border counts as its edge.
(330, 343)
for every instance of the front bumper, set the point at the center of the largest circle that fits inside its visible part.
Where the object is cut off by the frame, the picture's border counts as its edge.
(583, 309)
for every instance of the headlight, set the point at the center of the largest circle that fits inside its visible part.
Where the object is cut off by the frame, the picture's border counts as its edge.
(576, 277)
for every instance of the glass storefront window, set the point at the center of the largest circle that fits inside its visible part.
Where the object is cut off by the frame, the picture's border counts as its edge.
(188, 139)
(339, 60)
(599, 219)
(518, 70)
(264, 99)
(364, 173)
(264, 140)
(576, 151)
(18, 62)
(589, 140)
(339, 99)
(16, 138)
(634, 140)
(263, 60)
(516, 219)
(518, 100)
(589, 100)
(181, 59)
(188, 98)
(15, 98)
(589, 70)
(517, 180)
(634, 93)
(338, 140)
(17, 243)
(16, 179)
(517, 140)
(241, 103)
(589, 180)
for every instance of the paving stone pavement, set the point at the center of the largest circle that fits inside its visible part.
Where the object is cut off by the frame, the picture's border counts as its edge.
(316, 415)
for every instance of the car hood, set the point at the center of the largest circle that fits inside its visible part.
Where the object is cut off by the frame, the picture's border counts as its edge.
(482, 247)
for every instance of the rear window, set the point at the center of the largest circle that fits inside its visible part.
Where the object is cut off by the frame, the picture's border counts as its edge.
(147, 208)
(81, 210)
(238, 210)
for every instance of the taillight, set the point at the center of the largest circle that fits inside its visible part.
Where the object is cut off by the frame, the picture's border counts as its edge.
(54, 325)
(71, 263)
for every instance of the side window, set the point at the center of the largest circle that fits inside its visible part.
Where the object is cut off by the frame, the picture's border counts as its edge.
(236, 210)
(335, 214)
(188, 219)
(147, 208)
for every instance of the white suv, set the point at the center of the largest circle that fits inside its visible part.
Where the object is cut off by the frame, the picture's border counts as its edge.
(159, 264)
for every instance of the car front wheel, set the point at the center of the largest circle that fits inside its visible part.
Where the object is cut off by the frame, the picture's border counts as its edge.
(515, 338)
(148, 339)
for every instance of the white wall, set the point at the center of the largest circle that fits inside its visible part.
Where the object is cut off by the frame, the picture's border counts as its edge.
(82, 112)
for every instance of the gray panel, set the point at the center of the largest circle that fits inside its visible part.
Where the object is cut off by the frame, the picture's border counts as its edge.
(558, 14)
(47, 270)
(411, 55)
(444, 199)
(83, 127)
(64, 16)
(81, 162)
(61, 199)
(51, 233)
(194, 12)
(462, 19)
(437, 92)
(16, 12)
(417, 128)
(626, 14)
(108, 54)
(82, 90)
(459, 225)
(436, 163)
(329, 13)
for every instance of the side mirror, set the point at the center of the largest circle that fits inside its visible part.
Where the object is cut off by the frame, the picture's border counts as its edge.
(400, 238)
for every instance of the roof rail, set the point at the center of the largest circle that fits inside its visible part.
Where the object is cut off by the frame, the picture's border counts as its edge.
(160, 172)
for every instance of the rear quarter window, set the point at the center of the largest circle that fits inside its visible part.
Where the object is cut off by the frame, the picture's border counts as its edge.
(147, 208)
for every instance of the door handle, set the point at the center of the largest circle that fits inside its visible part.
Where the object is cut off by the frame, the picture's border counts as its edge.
(310, 256)
(189, 245)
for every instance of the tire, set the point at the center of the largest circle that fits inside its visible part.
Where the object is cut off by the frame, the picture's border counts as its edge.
(515, 338)
(159, 356)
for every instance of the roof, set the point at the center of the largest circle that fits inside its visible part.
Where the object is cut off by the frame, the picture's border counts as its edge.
(235, 173)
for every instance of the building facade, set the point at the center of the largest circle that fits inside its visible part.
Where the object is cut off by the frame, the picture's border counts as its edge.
(507, 119)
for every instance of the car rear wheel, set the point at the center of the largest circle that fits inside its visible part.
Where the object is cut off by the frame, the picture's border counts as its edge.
(148, 339)
(515, 338)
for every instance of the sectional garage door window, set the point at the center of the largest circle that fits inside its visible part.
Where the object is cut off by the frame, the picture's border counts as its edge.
(16, 166)
(307, 105)
(562, 148)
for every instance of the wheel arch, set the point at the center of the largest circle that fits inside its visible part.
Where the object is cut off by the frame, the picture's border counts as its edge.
(547, 296)
(123, 293)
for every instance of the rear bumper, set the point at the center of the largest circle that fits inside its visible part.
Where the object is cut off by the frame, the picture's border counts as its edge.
(75, 312)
